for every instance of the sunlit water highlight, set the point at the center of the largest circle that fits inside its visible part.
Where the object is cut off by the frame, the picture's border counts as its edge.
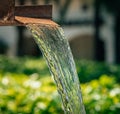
(56, 51)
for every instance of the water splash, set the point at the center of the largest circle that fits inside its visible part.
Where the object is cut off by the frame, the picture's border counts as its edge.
(56, 51)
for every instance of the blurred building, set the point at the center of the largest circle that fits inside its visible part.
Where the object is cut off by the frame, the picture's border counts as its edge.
(77, 19)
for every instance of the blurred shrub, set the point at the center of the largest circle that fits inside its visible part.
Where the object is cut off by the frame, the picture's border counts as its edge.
(20, 94)
(24, 65)
(27, 88)
(102, 96)
(89, 70)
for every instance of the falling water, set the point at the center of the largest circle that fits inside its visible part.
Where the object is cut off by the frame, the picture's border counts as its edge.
(57, 53)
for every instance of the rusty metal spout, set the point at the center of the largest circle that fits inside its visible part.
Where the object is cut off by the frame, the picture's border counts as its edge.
(11, 15)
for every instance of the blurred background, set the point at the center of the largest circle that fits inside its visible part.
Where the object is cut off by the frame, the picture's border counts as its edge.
(92, 28)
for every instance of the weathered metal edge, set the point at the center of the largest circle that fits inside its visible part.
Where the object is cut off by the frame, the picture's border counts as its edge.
(38, 12)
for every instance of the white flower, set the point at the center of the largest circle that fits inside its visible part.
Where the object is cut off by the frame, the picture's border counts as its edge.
(5, 81)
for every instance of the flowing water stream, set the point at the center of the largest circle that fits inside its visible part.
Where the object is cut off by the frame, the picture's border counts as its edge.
(56, 51)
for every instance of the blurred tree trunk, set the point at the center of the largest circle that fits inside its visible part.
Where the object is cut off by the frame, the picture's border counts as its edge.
(46, 1)
(34, 1)
(113, 6)
(99, 45)
(117, 36)
(21, 2)
(63, 8)
(20, 40)
(20, 35)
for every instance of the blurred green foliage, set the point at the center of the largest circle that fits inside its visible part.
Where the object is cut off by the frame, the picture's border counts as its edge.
(89, 70)
(24, 65)
(27, 88)
(102, 96)
(20, 94)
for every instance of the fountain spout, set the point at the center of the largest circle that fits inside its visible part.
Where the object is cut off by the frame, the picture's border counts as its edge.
(11, 15)
(55, 47)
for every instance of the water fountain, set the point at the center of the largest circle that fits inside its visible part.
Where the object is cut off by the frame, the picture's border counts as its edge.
(55, 48)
